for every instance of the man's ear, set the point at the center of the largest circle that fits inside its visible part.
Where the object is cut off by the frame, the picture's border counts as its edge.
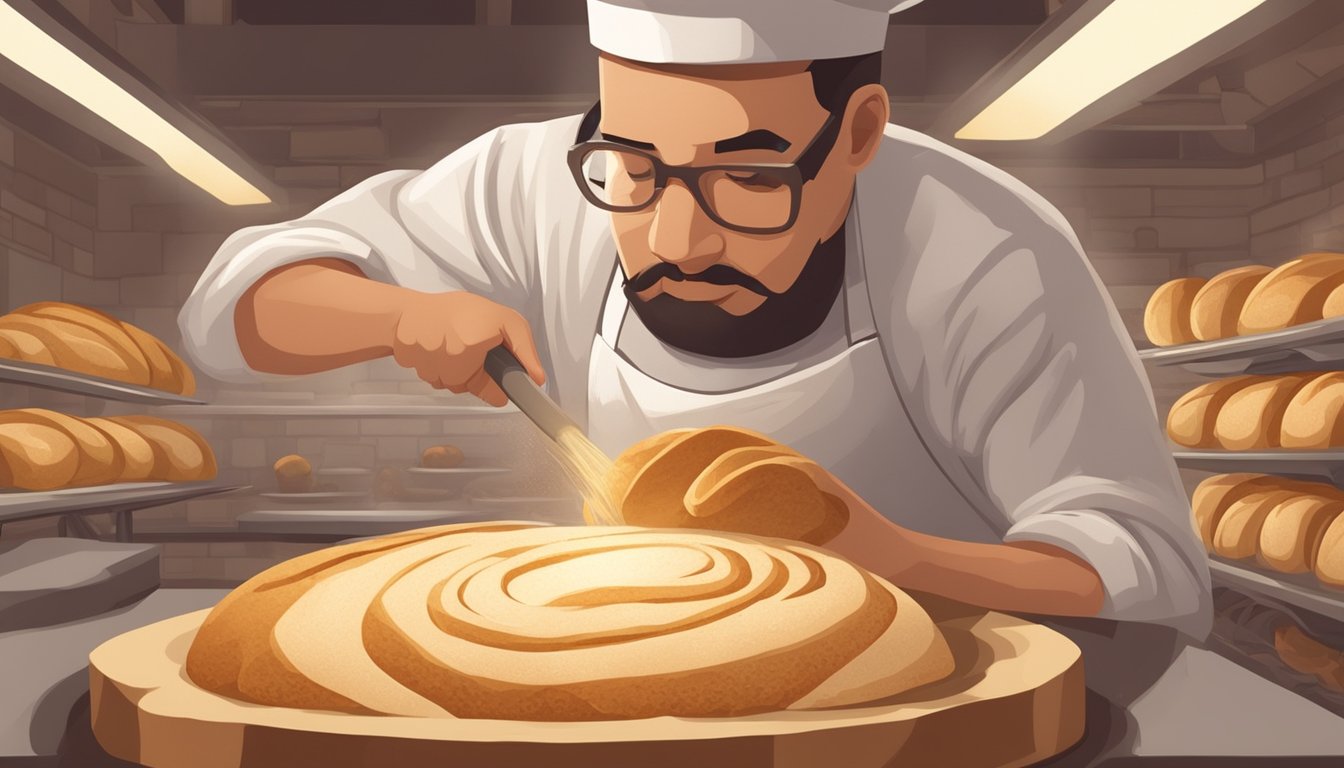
(865, 119)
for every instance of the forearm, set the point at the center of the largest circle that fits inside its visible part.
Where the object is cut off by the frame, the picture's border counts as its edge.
(315, 316)
(1024, 578)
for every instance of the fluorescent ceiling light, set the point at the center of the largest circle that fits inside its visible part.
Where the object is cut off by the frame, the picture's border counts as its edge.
(24, 43)
(1126, 39)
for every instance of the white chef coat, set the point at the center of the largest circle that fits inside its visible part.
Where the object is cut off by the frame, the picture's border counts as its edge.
(1010, 366)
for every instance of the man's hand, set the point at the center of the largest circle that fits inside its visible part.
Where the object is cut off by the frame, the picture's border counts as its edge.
(445, 337)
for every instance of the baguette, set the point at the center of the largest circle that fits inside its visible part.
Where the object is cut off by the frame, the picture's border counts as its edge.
(1252, 417)
(162, 374)
(136, 451)
(1238, 533)
(1217, 305)
(1314, 417)
(1334, 304)
(27, 347)
(36, 457)
(1291, 535)
(99, 459)
(1191, 421)
(1215, 494)
(78, 348)
(1166, 319)
(1293, 293)
(1330, 555)
(108, 328)
(180, 454)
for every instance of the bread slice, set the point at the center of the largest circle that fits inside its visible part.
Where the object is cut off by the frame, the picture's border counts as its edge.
(1293, 293)
(1215, 494)
(137, 453)
(1252, 417)
(1292, 532)
(36, 457)
(180, 454)
(1217, 305)
(1238, 533)
(100, 459)
(27, 347)
(106, 326)
(78, 348)
(1191, 420)
(1166, 319)
(1314, 417)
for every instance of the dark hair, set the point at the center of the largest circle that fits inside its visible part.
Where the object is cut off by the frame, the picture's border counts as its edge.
(835, 80)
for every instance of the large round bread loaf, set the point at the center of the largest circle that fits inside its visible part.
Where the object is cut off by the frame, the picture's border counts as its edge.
(36, 457)
(180, 453)
(1292, 532)
(515, 622)
(1191, 420)
(1251, 418)
(100, 460)
(1314, 417)
(1217, 306)
(1293, 293)
(1166, 319)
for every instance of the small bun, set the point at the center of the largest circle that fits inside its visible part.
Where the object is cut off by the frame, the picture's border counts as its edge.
(294, 474)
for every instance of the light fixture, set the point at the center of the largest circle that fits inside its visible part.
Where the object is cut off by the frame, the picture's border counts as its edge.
(30, 47)
(1123, 41)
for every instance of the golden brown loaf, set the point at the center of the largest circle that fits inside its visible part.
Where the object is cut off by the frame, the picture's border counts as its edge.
(1238, 531)
(442, 457)
(1291, 535)
(46, 450)
(1191, 420)
(1329, 565)
(1252, 416)
(1215, 494)
(1293, 293)
(519, 622)
(1314, 418)
(1217, 305)
(1166, 319)
(293, 474)
(87, 341)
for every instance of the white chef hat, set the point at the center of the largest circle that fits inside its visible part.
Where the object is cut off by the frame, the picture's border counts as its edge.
(739, 31)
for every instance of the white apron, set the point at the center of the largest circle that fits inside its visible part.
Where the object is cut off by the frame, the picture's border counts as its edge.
(844, 413)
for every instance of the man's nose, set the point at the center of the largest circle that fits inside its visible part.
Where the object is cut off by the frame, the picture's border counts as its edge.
(681, 233)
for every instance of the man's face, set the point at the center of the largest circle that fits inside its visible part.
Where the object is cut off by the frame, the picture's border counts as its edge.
(717, 115)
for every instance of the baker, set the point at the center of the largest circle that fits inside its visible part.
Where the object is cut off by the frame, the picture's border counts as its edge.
(735, 234)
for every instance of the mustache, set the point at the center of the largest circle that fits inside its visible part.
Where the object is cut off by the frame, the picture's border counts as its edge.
(717, 274)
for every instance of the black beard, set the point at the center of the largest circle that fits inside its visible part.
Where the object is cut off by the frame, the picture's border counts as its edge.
(702, 328)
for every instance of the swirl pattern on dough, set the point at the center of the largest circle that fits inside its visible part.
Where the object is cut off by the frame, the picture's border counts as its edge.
(523, 622)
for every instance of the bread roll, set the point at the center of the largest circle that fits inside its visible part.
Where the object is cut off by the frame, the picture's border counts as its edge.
(180, 454)
(27, 347)
(79, 348)
(107, 327)
(1334, 304)
(1166, 319)
(442, 457)
(1291, 535)
(36, 457)
(1217, 306)
(136, 452)
(100, 460)
(1215, 494)
(563, 623)
(293, 474)
(1330, 555)
(1292, 294)
(1238, 533)
(1314, 417)
(1190, 423)
(1252, 417)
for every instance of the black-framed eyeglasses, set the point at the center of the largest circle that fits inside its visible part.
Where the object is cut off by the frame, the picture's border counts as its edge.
(755, 198)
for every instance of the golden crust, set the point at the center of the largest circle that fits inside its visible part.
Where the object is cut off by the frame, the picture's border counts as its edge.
(1166, 318)
(100, 460)
(1190, 422)
(180, 453)
(36, 457)
(1293, 293)
(1217, 305)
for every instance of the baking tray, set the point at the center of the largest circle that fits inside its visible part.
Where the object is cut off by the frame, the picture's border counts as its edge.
(1297, 589)
(121, 497)
(1315, 346)
(47, 377)
(1325, 465)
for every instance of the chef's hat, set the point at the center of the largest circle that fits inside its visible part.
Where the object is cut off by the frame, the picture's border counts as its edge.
(739, 31)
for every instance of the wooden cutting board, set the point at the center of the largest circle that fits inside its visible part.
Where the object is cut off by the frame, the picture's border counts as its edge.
(1015, 698)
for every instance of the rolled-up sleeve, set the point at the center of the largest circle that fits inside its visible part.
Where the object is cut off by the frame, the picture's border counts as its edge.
(1032, 398)
(460, 225)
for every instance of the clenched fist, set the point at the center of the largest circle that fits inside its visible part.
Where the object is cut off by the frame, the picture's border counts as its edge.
(445, 336)
(727, 479)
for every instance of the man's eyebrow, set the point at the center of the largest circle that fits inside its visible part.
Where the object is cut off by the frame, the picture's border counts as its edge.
(627, 142)
(757, 139)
